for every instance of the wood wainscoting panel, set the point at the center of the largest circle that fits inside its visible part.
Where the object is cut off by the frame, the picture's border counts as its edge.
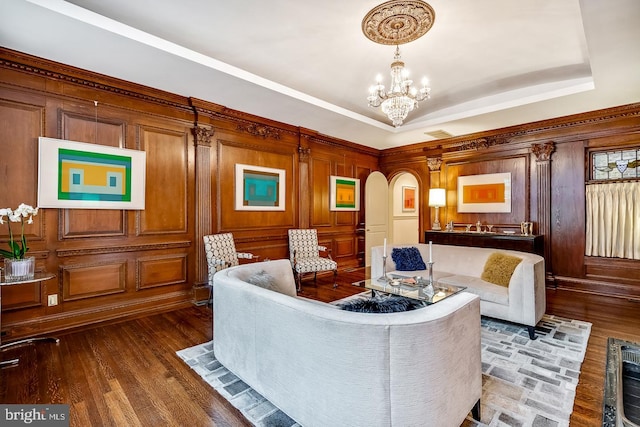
(520, 206)
(21, 125)
(260, 153)
(91, 280)
(92, 128)
(157, 271)
(21, 296)
(166, 207)
(87, 127)
(345, 247)
(79, 223)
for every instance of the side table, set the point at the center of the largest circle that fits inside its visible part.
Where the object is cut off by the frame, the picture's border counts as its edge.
(37, 277)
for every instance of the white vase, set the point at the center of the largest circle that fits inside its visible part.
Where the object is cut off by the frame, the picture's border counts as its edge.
(19, 269)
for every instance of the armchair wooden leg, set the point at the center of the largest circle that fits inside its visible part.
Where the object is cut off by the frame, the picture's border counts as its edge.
(298, 281)
(335, 278)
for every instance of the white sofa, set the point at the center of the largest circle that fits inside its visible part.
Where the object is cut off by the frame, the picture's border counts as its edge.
(324, 366)
(523, 301)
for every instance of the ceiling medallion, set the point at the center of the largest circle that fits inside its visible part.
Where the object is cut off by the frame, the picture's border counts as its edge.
(397, 21)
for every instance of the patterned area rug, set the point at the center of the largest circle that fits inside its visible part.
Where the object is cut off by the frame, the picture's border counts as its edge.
(525, 383)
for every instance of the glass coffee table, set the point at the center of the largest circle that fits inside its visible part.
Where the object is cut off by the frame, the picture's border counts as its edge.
(410, 288)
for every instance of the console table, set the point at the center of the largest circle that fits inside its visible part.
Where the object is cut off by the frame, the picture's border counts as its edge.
(37, 277)
(513, 242)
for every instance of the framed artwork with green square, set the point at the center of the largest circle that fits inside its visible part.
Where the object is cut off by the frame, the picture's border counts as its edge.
(80, 175)
(344, 193)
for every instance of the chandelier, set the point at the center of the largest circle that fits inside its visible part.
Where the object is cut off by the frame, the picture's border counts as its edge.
(397, 22)
(401, 98)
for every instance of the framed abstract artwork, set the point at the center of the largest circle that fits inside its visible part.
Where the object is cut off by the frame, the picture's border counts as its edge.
(259, 189)
(344, 194)
(408, 199)
(78, 175)
(485, 193)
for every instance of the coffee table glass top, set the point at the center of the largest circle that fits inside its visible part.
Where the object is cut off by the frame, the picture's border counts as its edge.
(410, 288)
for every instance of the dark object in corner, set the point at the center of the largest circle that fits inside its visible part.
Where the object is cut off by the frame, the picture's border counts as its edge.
(382, 304)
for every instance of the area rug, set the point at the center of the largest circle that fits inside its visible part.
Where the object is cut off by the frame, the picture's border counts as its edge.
(525, 382)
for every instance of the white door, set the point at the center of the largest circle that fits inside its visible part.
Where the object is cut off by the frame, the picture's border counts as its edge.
(376, 195)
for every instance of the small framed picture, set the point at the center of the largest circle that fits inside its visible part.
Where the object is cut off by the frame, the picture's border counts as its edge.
(259, 188)
(344, 194)
(408, 199)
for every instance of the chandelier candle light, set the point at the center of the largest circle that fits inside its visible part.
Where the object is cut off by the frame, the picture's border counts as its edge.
(397, 22)
(401, 98)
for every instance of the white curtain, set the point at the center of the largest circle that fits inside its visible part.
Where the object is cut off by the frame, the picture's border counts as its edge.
(613, 220)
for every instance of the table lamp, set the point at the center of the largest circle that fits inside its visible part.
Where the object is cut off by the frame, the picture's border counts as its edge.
(437, 197)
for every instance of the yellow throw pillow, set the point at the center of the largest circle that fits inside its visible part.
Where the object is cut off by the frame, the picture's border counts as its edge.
(499, 268)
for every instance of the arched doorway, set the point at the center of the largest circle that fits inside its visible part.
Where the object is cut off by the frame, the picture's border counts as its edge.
(376, 213)
(404, 209)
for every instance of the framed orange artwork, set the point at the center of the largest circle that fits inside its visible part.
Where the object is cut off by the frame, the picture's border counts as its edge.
(408, 199)
(485, 193)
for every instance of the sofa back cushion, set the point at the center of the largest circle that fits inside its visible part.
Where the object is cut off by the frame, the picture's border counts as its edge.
(499, 268)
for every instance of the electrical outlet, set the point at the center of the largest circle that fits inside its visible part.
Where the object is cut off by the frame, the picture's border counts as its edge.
(53, 300)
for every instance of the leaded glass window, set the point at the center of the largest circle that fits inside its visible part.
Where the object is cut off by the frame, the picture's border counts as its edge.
(617, 164)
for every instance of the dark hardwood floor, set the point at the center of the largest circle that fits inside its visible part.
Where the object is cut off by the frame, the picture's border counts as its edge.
(127, 373)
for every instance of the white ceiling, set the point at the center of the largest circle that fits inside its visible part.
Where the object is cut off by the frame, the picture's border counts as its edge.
(491, 63)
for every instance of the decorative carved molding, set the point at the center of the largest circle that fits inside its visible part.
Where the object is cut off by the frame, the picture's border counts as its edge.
(303, 153)
(397, 22)
(260, 130)
(88, 83)
(480, 143)
(434, 163)
(202, 135)
(543, 151)
(118, 249)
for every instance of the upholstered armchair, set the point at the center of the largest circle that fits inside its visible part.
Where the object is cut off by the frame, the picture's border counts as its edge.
(220, 250)
(304, 253)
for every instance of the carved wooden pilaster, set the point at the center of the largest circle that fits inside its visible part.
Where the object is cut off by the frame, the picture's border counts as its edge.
(202, 142)
(304, 207)
(543, 168)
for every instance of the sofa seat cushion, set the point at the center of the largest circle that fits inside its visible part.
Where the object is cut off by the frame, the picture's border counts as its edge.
(485, 290)
(311, 265)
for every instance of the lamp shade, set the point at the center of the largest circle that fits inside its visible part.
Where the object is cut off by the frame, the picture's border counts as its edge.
(437, 197)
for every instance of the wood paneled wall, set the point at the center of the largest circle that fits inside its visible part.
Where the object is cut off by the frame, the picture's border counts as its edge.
(115, 263)
(548, 164)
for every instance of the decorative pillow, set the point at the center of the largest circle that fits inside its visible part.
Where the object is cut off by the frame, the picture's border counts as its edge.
(407, 259)
(499, 268)
(381, 304)
(264, 280)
